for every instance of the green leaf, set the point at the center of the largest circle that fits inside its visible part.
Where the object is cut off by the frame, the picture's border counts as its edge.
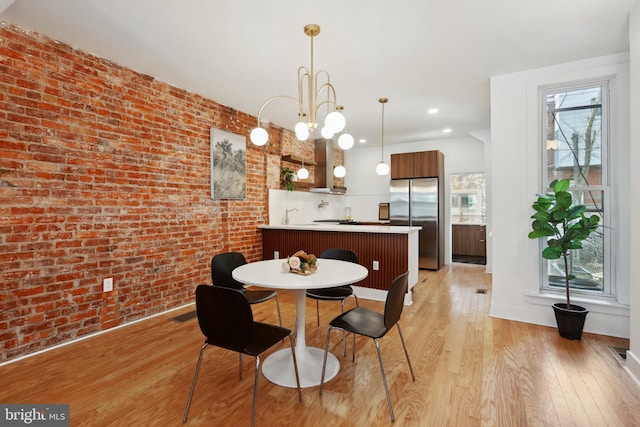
(562, 185)
(564, 200)
(540, 233)
(551, 253)
(540, 216)
(558, 216)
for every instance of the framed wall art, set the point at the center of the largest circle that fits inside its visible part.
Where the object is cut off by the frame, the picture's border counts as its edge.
(228, 165)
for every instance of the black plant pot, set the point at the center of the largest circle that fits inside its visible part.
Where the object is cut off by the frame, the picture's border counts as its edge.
(570, 322)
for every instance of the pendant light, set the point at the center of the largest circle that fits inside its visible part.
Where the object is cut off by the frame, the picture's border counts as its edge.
(382, 168)
(303, 173)
(339, 171)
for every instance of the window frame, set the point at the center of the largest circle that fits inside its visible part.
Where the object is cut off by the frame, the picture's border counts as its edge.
(608, 290)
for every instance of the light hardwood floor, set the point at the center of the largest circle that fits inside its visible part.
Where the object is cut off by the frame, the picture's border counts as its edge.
(472, 370)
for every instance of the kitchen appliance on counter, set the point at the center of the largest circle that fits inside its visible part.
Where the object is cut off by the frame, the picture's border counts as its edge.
(383, 211)
(417, 202)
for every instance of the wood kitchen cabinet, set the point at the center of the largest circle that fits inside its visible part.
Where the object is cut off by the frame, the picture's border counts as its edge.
(422, 164)
(468, 240)
(402, 166)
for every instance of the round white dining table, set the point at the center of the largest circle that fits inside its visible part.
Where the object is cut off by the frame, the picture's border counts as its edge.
(278, 366)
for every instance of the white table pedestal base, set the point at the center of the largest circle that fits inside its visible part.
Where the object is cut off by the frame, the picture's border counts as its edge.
(278, 367)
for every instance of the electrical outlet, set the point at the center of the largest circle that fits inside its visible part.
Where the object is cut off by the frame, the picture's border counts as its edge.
(107, 284)
(276, 255)
(376, 265)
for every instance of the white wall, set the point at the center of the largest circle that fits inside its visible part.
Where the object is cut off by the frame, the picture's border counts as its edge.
(633, 355)
(515, 179)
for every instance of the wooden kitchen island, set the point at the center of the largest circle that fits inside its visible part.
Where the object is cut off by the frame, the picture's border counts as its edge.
(393, 248)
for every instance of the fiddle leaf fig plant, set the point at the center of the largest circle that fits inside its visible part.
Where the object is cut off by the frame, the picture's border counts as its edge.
(563, 224)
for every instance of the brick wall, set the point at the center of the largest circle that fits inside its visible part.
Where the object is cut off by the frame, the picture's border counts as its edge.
(104, 172)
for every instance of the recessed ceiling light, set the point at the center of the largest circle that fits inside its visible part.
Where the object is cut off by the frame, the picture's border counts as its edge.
(362, 141)
(446, 130)
(432, 111)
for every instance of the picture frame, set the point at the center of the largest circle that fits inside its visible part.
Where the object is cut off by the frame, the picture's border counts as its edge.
(228, 157)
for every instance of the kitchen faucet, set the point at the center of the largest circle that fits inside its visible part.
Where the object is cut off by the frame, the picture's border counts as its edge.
(285, 220)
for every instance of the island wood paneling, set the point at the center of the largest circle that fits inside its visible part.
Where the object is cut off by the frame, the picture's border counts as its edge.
(390, 250)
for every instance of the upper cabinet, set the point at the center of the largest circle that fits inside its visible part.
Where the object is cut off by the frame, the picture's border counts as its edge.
(401, 166)
(423, 164)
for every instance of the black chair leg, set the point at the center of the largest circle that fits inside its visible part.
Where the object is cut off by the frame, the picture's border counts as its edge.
(406, 353)
(240, 366)
(384, 380)
(324, 361)
(278, 307)
(317, 313)
(344, 333)
(255, 392)
(353, 358)
(193, 384)
(295, 368)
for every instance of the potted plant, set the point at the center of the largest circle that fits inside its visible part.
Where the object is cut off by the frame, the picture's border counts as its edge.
(564, 226)
(287, 179)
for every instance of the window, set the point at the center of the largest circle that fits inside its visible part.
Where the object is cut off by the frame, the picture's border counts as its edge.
(468, 198)
(574, 141)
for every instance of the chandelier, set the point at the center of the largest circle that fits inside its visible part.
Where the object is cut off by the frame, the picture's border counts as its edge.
(314, 91)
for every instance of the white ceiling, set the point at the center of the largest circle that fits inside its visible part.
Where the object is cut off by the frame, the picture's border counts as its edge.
(418, 53)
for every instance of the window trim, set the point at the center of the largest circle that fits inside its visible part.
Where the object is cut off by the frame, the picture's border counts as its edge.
(609, 290)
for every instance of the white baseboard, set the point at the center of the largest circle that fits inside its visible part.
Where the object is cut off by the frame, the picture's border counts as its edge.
(632, 366)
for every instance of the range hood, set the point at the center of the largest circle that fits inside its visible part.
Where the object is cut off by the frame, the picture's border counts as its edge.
(324, 168)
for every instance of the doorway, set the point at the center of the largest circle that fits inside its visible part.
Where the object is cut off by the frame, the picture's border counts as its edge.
(468, 218)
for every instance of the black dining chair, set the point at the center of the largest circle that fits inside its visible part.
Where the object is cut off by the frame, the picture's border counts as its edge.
(222, 265)
(226, 320)
(368, 323)
(338, 293)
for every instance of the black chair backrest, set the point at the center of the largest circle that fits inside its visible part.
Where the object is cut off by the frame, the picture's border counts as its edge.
(395, 300)
(221, 267)
(224, 316)
(340, 254)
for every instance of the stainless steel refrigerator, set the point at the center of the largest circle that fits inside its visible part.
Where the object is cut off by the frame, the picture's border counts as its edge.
(415, 202)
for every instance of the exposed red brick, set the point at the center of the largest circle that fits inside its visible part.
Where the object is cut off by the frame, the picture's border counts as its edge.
(104, 172)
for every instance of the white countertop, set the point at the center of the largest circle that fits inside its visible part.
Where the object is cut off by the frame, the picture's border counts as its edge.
(345, 228)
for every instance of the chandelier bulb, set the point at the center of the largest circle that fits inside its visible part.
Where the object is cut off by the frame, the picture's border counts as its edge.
(345, 141)
(335, 121)
(259, 136)
(326, 132)
(302, 131)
